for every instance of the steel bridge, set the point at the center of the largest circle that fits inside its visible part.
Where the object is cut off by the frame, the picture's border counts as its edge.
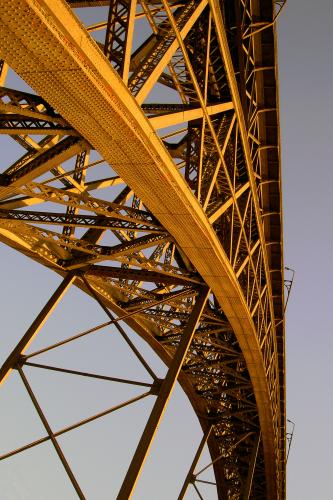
(149, 177)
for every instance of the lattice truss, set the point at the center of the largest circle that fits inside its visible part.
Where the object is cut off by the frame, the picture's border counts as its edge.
(203, 74)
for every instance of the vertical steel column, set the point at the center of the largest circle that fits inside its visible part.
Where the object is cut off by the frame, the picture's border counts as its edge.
(249, 479)
(190, 475)
(119, 35)
(161, 402)
(36, 325)
(129, 41)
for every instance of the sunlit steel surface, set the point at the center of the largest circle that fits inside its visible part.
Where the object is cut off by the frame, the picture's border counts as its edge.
(193, 204)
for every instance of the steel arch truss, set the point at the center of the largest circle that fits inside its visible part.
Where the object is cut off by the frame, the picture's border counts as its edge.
(156, 179)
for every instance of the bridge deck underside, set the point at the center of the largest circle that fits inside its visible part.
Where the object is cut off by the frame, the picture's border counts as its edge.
(191, 196)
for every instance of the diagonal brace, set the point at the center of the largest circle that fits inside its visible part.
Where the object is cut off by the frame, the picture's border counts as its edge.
(190, 476)
(33, 330)
(161, 402)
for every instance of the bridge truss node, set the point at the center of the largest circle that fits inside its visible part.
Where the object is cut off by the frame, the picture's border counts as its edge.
(149, 178)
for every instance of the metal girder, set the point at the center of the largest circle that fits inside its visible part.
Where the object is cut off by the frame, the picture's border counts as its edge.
(24, 201)
(163, 397)
(148, 72)
(74, 220)
(31, 166)
(200, 200)
(119, 35)
(14, 124)
(106, 272)
(167, 120)
(71, 252)
(28, 105)
(88, 203)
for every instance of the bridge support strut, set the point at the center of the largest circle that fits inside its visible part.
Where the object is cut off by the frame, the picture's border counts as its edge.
(161, 402)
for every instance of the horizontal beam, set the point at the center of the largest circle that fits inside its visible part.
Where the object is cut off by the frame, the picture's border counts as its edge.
(107, 272)
(29, 168)
(27, 201)
(74, 220)
(170, 119)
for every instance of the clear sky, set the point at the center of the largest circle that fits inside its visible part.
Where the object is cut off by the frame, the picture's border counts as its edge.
(306, 70)
(306, 66)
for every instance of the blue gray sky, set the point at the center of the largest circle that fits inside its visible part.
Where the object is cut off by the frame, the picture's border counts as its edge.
(306, 78)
